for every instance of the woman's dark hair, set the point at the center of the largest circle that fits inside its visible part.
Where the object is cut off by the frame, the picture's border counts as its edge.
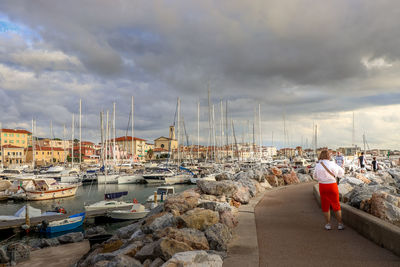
(324, 155)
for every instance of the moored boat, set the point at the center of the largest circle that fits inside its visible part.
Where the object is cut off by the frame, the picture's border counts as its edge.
(137, 211)
(45, 189)
(70, 223)
(109, 202)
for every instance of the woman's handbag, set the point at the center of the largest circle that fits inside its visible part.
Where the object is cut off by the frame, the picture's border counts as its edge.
(326, 169)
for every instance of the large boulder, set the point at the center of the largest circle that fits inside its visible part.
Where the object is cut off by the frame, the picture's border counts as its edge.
(49, 242)
(222, 188)
(169, 247)
(97, 230)
(274, 180)
(360, 196)
(18, 252)
(130, 249)
(344, 189)
(127, 231)
(192, 237)
(291, 178)
(223, 176)
(361, 177)
(149, 251)
(386, 206)
(199, 218)
(218, 236)
(112, 245)
(183, 202)
(351, 180)
(157, 263)
(158, 221)
(276, 171)
(194, 259)
(303, 178)
(228, 218)
(124, 261)
(70, 238)
(242, 195)
(249, 183)
(265, 185)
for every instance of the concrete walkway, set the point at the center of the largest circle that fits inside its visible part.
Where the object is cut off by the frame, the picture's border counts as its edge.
(290, 233)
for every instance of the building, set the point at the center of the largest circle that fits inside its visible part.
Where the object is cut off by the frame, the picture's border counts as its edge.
(46, 155)
(47, 142)
(124, 145)
(349, 151)
(11, 155)
(167, 143)
(19, 138)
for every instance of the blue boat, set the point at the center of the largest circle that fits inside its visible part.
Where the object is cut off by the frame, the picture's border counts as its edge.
(70, 223)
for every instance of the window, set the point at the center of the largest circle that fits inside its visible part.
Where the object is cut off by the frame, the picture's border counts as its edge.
(36, 153)
(13, 153)
(5, 135)
(42, 153)
(17, 141)
(8, 153)
(12, 135)
(5, 141)
(12, 141)
(17, 135)
(23, 142)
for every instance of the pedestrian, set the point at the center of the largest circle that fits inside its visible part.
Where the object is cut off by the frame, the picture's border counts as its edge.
(326, 172)
(339, 159)
(361, 161)
(374, 164)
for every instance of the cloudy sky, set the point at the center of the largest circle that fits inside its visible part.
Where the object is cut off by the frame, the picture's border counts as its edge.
(314, 61)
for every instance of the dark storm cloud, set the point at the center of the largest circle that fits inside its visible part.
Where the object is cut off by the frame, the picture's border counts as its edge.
(301, 57)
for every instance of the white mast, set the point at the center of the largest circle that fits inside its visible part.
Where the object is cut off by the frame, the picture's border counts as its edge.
(51, 139)
(259, 126)
(198, 130)
(132, 130)
(33, 145)
(353, 141)
(222, 130)
(213, 130)
(73, 140)
(107, 136)
(179, 107)
(64, 140)
(101, 136)
(114, 148)
(80, 132)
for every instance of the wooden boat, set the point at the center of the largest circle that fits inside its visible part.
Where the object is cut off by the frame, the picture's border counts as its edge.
(70, 223)
(49, 189)
(137, 211)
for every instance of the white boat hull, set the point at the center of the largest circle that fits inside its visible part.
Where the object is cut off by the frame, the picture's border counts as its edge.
(128, 214)
(178, 179)
(108, 204)
(129, 179)
(109, 179)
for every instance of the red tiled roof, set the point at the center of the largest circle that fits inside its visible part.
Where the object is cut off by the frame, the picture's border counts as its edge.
(15, 131)
(87, 143)
(159, 149)
(11, 146)
(127, 138)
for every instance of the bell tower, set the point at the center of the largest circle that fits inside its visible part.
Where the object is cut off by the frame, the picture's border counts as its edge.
(172, 132)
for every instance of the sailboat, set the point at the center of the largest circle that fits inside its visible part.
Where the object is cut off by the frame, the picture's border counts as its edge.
(109, 201)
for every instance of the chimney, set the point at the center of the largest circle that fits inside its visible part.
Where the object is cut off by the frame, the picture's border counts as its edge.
(172, 132)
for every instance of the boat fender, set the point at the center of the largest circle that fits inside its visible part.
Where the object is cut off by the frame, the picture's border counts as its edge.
(135, 201)
(133, 210)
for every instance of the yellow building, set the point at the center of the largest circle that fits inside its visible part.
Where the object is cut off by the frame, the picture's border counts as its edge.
(11, 155)
(124, 143)
(19, 138)
(167, 143)
(46, 155)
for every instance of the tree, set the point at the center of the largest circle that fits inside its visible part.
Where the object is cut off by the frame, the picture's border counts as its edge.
(150, 154)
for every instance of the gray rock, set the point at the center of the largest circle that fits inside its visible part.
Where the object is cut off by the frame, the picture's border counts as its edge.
(127, 231)
(250, 184)
(124, 261)
(361, 195)
(149, 251)
(222, 188)
(147, 263)
(223, 206)
(18, 252)
(210, 205)
(35, 243)
(70, 238)
(3, 256)
(222, 254)
(159, 223)
(197, 258)
(157, 263)
(101, 257)
(352, 181)
(218, 236)
(49, 242)
(98, 230)
(156, 210)
(137, 234)
(223, 176)
(304, 177)
(242, 194)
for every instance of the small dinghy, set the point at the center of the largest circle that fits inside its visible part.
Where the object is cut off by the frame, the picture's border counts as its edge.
(138, 211)
(70, 223)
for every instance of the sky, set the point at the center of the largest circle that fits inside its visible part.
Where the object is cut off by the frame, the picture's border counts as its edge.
(312, 62)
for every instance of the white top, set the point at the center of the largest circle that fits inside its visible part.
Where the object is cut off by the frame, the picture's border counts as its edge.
(323, 176)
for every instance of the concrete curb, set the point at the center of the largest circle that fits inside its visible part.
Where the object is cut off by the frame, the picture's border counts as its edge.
(380, 232)
(243, 248)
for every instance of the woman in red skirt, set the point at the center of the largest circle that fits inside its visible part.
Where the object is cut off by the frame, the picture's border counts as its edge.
(326, 172)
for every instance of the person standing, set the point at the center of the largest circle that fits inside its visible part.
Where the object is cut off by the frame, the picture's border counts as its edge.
(374, 164)
(326, 172)
(339, 159)
(361, 161)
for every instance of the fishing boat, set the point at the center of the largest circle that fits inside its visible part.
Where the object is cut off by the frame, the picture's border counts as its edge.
(162, 193)
(109, 202)
(49, 189)
(70, 223)
(137, 211)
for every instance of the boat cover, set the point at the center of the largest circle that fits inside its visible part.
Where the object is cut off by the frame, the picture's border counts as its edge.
(115, 195)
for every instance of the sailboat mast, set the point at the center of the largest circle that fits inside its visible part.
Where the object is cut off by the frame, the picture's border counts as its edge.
(51, 139)
(213, 130)
(132, 131)
(259, 126)
(73, 141)
(222, 130)
(80, 132)
(198, 130)
(178, 137)
(64, 140)
(107, 143)
(101, 137)
(114, 150)
(33, 146)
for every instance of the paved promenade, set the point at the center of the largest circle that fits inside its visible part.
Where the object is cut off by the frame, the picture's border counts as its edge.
(290, 233)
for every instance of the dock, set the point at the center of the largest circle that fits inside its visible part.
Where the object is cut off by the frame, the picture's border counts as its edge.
(16, 224)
